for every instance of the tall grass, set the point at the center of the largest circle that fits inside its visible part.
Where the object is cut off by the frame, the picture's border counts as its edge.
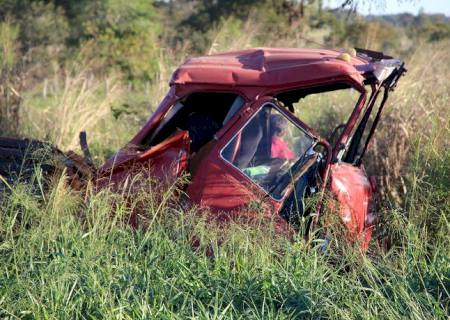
(418, 117)
(75, 103)
(64, 258)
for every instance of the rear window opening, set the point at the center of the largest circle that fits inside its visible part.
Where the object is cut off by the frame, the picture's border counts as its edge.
(202, 114)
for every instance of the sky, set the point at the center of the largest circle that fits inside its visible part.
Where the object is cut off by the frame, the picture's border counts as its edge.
(397, 6)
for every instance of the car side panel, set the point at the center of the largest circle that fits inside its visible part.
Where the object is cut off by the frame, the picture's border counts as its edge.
(214, 186)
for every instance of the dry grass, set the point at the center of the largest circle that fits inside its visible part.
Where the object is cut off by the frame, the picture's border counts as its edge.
(81, 104)
(417, 113)
(10, 81)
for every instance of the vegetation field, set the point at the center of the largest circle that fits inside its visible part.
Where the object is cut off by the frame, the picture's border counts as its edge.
(103, 66)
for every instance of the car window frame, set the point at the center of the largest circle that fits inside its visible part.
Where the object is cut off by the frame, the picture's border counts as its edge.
(290, 117)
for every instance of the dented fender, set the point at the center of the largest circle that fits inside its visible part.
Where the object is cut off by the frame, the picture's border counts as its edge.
(353, 192)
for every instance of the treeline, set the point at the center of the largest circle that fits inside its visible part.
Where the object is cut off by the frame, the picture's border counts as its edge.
(128, 35)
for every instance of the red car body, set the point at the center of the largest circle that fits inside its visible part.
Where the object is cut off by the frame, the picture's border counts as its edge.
(261, 78)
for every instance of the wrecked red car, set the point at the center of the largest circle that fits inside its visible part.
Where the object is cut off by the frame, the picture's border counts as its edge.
(233, 121)
(247, 127)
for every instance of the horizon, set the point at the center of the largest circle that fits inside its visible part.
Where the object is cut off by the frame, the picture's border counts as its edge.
(397, 6)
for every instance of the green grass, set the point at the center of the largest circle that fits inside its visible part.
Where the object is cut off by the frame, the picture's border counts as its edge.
(66, 258)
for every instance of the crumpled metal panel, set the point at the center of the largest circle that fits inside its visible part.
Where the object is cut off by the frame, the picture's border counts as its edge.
(165, 161)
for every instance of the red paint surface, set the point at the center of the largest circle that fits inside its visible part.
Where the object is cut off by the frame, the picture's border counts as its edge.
(353, 191)
(266, 67)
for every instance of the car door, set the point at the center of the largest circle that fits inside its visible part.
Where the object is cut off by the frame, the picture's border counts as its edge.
(246, 160)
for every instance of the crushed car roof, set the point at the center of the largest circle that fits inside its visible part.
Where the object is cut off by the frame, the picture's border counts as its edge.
(267, 67)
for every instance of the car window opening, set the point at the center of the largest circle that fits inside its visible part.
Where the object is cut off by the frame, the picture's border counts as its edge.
(202, 114)
(270, 150)
(323, 108)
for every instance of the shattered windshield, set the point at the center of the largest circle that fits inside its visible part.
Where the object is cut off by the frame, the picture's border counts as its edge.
(267, 148)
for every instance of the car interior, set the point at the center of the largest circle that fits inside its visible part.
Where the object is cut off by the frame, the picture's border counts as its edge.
(202, 114)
